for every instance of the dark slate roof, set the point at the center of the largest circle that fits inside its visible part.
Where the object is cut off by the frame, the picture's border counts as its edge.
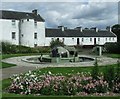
(77, 33)
(20, 15)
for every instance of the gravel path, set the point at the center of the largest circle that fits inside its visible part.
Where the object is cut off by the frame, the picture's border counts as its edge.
(23, 67)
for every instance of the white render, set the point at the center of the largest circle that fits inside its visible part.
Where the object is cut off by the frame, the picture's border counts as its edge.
(73, 40)
(7, 29)
(26, 28)
(27, 33)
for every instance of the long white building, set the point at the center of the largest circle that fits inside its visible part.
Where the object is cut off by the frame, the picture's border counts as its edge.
(28, 29)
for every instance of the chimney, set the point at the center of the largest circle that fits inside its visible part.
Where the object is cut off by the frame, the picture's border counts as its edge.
(108, 28)
(61, 27)
(34, 11)
(94, 28)
(79, 28)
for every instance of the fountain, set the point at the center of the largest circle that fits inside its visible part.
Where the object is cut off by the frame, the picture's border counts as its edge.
(60, 55)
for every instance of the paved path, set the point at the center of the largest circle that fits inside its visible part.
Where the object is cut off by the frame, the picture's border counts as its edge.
(23, 67)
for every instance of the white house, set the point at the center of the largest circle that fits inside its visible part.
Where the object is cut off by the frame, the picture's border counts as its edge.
(22, 28)
(28, 29)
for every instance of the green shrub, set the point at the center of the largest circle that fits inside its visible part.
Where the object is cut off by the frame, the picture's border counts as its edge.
(112, 47)
(8, 48)
(109, 76)
(56, 42)
(95, 70)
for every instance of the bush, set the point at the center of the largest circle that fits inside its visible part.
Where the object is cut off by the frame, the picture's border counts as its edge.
(95, 70)
(109, 76)
(113, 47)
(8, 48)
(56, 43)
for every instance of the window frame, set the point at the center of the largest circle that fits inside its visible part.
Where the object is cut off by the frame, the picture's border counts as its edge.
(35, 35)
(13, 35)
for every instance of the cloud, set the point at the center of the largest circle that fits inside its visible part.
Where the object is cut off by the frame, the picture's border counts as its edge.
(72, 14)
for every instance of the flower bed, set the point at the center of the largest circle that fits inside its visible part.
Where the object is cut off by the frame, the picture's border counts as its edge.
(57, 84)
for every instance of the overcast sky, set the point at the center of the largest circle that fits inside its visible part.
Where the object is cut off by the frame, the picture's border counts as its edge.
(71, 14)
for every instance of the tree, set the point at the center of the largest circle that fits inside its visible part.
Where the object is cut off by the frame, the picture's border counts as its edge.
(116, 30)
(56, 42)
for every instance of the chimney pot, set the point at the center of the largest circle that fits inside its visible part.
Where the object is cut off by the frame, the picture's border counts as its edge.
(34, 11)
(108, 28)
(61, 27)
(79, 28)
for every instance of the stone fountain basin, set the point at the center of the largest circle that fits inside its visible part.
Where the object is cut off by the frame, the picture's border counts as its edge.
(48, 59)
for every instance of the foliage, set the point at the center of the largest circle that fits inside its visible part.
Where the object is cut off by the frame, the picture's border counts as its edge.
(109, 76)
(95, 70)
(68, 72)
(32, 83)
(56, 42)
(112, 47)
(8, 48)
(116, 87)
(116, 30)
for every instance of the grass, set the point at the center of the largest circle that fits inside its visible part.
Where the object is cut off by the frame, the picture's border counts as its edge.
(55, 70)
(7, 65)
(71, 70)
(113, 55)
(17, 55)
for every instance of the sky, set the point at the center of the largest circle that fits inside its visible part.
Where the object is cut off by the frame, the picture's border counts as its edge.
(71, 14)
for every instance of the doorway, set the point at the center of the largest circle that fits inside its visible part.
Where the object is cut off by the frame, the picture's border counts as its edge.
(94, 41)
(78, 41)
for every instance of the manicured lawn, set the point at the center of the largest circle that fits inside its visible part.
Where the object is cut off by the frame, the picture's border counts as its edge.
(6, 65)
(71, 70)
(58, 97)
(16, 55)
(113, 55)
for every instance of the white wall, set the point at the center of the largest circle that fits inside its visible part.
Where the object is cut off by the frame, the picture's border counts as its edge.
(7, 29)
(86, 40)
(28, 29)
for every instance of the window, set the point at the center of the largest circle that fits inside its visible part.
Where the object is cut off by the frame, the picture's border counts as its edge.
(82, 39)
(90, 39)
(63, 39)
(13, 22)
(35, 23)
(35, 35)
(110, 39)
(106, 39)
(113, 38)
(98, 39)
(22, 21)
(13, 35)
(52, 39)
(35, 45)
(22, 35)
(27, 19)
(58, 39)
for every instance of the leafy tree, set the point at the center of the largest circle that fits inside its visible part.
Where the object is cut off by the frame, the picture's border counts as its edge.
(56, 42)
(116, 30)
